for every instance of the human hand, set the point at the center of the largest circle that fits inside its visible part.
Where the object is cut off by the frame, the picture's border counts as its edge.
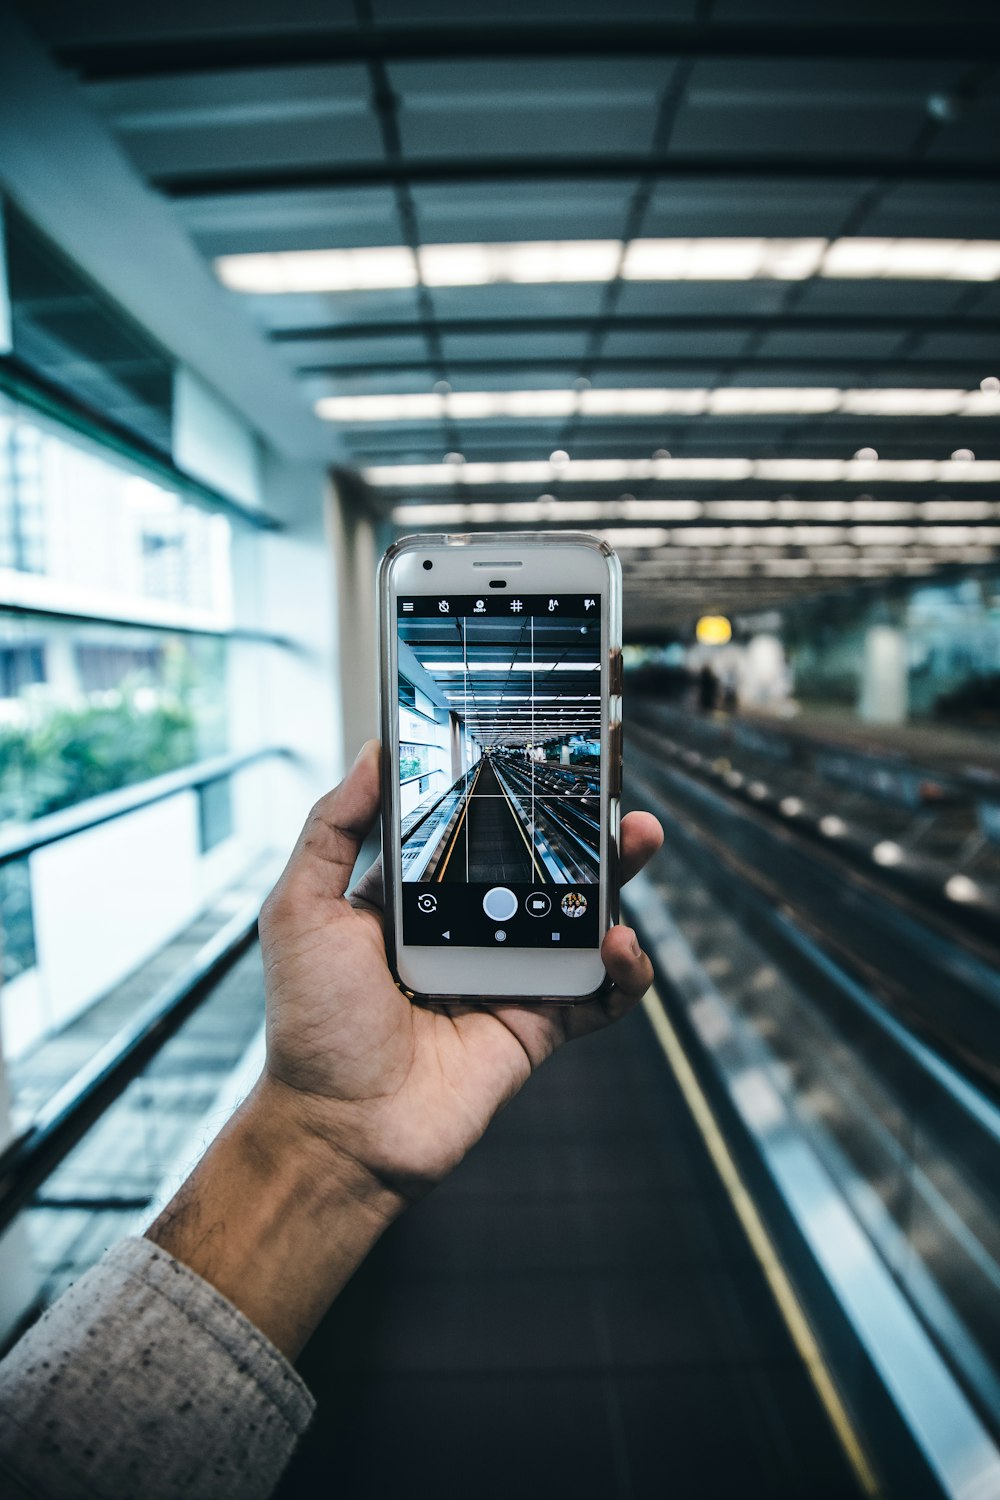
(397, 1090)
(366, 1100)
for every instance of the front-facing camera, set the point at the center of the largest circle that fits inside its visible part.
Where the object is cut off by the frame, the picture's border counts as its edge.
(428, 564)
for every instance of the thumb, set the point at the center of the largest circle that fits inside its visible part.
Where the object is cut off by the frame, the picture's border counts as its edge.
(336, 827)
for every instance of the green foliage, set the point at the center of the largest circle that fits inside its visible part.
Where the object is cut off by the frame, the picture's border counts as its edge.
(64, 754)
(410, 765)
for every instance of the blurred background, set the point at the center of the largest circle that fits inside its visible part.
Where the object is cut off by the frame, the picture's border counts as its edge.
(720, 282)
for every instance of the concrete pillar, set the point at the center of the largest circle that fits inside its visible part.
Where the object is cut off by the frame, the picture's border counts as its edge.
(351, 537)
(457, 743)
(884, 677)
(60, 665)
(762, 673)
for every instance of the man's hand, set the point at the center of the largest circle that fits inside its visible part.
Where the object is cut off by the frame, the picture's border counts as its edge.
(366, 1100)
(403, 1089)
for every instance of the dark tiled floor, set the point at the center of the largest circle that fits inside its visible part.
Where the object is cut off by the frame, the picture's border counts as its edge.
(575, 1313)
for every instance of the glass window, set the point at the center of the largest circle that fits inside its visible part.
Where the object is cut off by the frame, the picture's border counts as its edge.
(215, 813)
(82, 530)
(86, 709)
(69, 332)
(17, 928)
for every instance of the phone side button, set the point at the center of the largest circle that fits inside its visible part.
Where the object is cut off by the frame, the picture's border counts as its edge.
(615, 754)
(616, 674)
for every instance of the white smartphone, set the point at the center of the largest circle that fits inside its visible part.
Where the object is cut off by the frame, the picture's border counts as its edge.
(501, 682)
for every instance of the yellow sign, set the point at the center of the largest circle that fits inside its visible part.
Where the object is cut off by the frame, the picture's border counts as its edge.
(713, 630)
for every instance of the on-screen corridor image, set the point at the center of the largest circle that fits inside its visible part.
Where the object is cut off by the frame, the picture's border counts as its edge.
(500, 749)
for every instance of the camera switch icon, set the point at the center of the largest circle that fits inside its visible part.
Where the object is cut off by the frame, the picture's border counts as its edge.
(427, 903)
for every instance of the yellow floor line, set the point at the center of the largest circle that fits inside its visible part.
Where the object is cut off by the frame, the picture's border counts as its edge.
(763, 1247)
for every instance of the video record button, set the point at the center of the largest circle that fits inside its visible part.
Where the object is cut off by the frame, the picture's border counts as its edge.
(538, 904)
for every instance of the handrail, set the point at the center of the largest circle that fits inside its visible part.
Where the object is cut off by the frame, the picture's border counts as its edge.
(785, 881)
(25, 838)
(33, 1156)
(132, 622)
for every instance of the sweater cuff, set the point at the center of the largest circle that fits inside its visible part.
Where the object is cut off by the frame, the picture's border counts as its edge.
(142, 1378)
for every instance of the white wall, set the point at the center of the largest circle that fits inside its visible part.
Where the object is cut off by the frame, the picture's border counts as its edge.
(106, 899)
(212, 443)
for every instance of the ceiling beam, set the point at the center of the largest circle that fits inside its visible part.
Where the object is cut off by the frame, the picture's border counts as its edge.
(257, 181)
(901, 323)
(702, 490)
(668, 362)
(950, 41)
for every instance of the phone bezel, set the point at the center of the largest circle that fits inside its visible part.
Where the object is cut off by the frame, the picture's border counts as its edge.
(576, 562)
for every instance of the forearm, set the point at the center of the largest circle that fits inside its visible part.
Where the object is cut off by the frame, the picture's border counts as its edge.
(275, 1218)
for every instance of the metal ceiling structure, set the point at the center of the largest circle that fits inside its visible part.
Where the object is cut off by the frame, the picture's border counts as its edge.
(308, 126)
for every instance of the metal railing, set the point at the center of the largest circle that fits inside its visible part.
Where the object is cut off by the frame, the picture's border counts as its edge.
(34, 1155)
(24, 838)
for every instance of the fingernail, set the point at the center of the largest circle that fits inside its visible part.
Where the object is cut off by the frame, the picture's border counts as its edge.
(636, 950)
(365, 750)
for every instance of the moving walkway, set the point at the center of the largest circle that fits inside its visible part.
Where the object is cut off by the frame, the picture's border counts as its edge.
(507, 820)
(746, 1242)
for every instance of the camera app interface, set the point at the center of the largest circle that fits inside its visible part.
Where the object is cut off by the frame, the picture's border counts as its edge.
(499, 768)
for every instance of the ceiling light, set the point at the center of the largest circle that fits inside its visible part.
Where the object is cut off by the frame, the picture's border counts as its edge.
(454, 458)
(662, 453)
(711, 259)
(961, 888)
(790, 806)
(963, 470)
(866, 455)
(378, 268)
(611, 470)
(903, 259)
(753, 400)
(814, 536)
(421, 406)
(740, 510)
(716, 259)
(903, 403)
(531, 261)
(648, 401)
(517, 665)
(630, 537)
(583, 384)
(990, 385)
(963, 455)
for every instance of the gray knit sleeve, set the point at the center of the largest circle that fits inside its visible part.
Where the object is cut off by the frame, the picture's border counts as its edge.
(143, 1380)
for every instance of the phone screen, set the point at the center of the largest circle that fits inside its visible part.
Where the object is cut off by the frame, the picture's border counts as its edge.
(500, 769)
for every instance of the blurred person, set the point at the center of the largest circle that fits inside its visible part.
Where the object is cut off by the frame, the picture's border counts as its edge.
(708, 688)
(166, 1370)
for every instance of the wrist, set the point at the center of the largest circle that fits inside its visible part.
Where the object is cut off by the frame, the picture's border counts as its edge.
(311, 1146)
(276, 1217)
